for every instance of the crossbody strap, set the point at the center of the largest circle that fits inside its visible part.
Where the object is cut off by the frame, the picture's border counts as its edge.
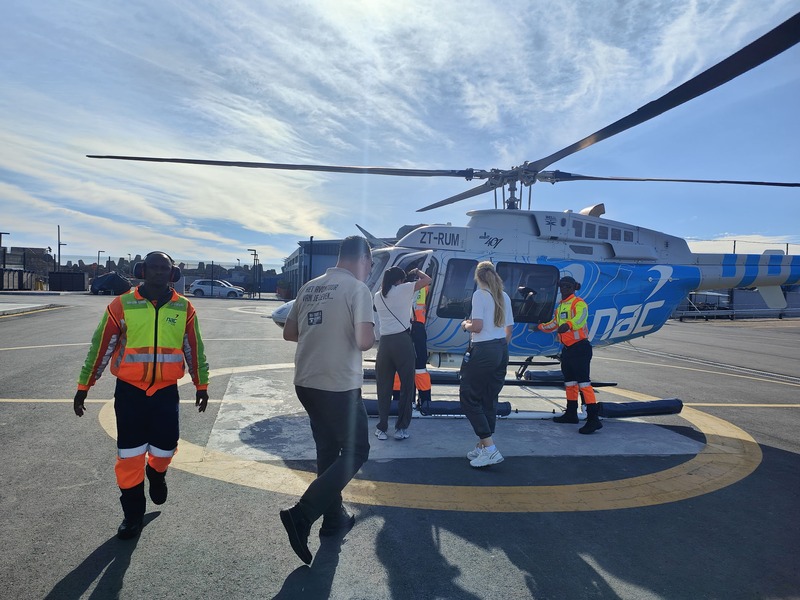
(394, 315)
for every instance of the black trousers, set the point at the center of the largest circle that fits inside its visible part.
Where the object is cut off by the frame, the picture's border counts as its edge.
(341, 434)
(482, 378)
(575, 361)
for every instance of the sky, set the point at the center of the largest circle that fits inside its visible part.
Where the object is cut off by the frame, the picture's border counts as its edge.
(413, 84)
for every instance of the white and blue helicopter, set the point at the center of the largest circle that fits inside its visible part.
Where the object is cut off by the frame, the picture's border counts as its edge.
(631, 277)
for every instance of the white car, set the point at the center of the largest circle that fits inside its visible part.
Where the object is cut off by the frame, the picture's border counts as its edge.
(215, 287)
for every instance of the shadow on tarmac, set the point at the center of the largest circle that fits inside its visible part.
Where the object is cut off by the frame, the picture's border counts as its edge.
(316, 580)
(111, 559)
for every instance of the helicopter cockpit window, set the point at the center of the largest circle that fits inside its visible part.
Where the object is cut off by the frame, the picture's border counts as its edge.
(455, 301)
(532, 289)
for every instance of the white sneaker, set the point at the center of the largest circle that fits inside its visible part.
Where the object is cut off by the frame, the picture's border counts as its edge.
(473, 454)
(486, 458)
(401, 434)
(381, 435)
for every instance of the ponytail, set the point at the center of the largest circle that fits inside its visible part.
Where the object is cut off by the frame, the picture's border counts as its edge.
(390, 278)
(486, 274)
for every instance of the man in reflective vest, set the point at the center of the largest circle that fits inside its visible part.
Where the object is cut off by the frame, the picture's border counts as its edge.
(148, 335)
(422, 379)
(570, 323)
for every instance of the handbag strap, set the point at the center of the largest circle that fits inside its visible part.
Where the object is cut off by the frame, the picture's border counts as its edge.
(390, 310)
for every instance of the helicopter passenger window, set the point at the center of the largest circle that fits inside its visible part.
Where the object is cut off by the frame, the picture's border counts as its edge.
(628, 236)
(532, 289)
(459, 283)
(602, 232)
(616, 234)
(589, 231)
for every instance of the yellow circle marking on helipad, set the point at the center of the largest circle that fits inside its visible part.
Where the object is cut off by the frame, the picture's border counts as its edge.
(730, 455)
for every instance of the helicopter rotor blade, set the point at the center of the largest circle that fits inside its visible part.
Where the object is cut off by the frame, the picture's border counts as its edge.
(476, 191)
(467, 174)
(559, 176)
(783, 37)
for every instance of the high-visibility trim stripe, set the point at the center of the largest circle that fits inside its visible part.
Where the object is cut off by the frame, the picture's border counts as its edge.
(420, 371)
(154, 451)
(131, 452)
(146, 358)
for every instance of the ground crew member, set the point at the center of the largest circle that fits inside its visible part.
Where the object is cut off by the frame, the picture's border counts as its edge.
(146, 335)
(422, 379)
(570, 322)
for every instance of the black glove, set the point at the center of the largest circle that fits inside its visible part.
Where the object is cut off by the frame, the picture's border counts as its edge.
(77, 402)
(201, 400)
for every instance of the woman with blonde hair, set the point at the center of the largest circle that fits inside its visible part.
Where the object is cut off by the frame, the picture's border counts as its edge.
(483, 371)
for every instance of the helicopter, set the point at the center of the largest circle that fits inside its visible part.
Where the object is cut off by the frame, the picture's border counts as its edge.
(631, 277)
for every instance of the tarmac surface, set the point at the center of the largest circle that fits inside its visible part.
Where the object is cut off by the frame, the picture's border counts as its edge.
(697, 505)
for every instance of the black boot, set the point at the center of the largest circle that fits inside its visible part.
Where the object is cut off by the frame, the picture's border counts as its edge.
(158, 485)
(297, 528)
(592, 420)
(338, 522)
(571, 414)
(133, 506)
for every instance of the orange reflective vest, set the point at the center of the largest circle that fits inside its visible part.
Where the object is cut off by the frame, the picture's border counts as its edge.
(574, 312)
(147, 347)
(420, 299)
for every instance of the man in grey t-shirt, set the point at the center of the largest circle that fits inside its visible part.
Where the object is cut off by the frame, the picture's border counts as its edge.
(332, 322)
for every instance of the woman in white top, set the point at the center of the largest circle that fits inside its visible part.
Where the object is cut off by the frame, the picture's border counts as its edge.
(396, 349)
(483, 372)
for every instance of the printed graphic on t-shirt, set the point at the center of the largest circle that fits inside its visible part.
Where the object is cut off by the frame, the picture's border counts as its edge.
(315, 317)
(319, 293)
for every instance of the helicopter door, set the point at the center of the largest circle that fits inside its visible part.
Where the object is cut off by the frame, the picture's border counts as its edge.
(425, 262)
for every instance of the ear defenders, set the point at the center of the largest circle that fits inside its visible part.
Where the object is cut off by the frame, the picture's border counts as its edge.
(174, 274)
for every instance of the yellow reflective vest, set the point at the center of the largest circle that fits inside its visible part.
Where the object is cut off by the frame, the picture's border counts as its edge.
(574, 312)
(147, 347)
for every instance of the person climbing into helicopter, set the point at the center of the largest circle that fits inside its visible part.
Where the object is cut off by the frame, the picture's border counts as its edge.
(570, 324)
(419, 337)
(395, 348)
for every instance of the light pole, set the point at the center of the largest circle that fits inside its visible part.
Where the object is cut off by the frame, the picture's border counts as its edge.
(97, 266)
(60, 243)
(2, 233)
(255, 258)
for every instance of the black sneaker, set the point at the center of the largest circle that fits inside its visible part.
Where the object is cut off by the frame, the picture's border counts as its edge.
(338, 525)
(158, 485)
(129, 528)
(298, 528)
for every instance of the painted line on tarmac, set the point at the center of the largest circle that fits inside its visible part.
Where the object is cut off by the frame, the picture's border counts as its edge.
(46, 346)
(640, 362)
(730, 455)
(27, 311)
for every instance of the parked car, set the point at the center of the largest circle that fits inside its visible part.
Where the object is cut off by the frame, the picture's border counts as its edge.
(215, 287)
(111, 283)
